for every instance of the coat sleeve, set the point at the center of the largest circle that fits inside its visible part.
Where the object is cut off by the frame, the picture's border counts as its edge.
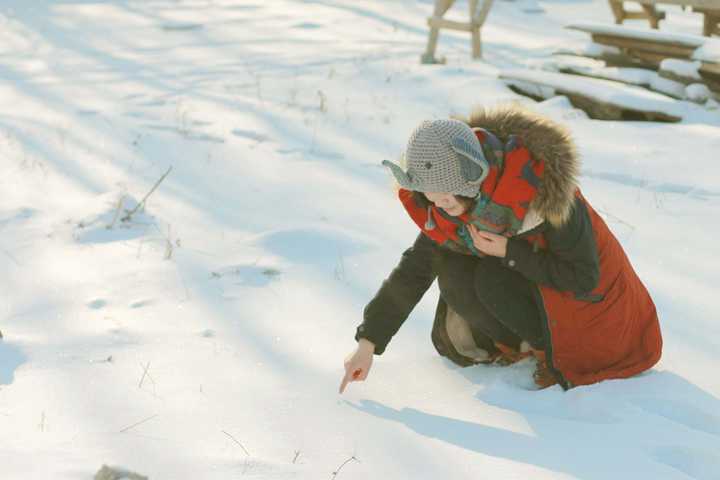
(399, 294)
(570, 262)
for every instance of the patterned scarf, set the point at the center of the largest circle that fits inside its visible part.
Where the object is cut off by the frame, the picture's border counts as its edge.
(501, 206)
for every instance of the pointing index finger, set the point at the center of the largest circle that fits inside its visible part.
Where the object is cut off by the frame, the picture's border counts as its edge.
(345, 381)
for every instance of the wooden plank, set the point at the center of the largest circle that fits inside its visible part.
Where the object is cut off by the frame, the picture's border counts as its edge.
(616, 7)
(437, 22)
(710, 23)
(479, 19)
(650, 58)
(638, 16)
(632, 34)
(710, 68)
(482, 14)
(611, 59)
(669, 49)
(712, 81)
(709, 4)
(652, 15)
(475, 41)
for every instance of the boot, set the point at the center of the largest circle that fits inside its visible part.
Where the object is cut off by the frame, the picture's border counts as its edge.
(542, 376)
(508, 355)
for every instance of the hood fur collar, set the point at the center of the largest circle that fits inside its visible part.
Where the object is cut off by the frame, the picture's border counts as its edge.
(546, 140)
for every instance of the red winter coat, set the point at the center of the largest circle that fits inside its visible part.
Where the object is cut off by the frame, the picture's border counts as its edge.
(615, 337)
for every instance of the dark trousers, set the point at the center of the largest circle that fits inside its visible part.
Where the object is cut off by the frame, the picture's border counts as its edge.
(495, 301)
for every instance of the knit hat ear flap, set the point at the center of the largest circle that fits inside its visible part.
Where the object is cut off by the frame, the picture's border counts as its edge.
(403, 178)
(474, 168)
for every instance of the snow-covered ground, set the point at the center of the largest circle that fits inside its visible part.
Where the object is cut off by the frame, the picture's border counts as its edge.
(204, 338)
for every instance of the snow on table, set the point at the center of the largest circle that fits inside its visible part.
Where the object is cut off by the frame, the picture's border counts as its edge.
(598, 69)
(605, 91)
(708, 52)
(597, 28)
(681, 68)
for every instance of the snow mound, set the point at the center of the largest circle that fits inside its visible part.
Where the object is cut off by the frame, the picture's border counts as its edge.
(11, 358)
(112, 221)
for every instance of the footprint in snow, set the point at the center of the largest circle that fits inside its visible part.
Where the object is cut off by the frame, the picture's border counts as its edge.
(681, 412)
(97, 303)
(247, 275)
(319, 245)
(698, 463)
(308, 25)
(181, 27)
(249, 134)
(10, 359)
(18, 215)
(142, 303)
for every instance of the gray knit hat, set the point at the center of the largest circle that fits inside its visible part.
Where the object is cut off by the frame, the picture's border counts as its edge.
(442, 156)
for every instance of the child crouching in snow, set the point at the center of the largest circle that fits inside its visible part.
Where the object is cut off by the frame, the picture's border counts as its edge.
(524, 265)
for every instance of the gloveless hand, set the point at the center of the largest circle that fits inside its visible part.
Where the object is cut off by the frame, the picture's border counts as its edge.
(358, 363)
(488, 243)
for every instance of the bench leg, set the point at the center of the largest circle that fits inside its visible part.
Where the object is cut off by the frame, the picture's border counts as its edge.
(652, 15)
(479, 17)
(710, 24)
(476, 51)
(441, 7)
(617, 10)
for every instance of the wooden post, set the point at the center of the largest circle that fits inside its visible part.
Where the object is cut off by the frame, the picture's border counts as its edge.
(652, 15)
(441, 6)
(478, 19)
(436, 22)
(649, 12)
(617, 10)
(711, 18)
(475, 30)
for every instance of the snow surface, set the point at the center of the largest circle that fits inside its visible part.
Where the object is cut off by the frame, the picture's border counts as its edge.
(681, 68)
(598, 69)
(708, 52)
(204, 337)
(589, 49)
(698, 92)
(638, 33)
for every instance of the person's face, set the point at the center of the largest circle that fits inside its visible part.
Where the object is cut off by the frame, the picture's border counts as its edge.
(448, 202)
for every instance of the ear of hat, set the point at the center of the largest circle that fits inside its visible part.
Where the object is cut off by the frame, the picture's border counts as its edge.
(442, 156)
(473, 165)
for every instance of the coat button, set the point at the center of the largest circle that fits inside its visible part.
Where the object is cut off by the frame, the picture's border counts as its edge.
(511, 263)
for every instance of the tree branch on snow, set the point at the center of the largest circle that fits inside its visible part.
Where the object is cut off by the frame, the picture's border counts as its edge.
(145, 371)
(129, 215)
(136, 424)
(336, 472)
(236, 441)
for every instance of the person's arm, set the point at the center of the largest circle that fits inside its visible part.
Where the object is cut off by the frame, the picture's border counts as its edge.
(398, 295)
(570, 262)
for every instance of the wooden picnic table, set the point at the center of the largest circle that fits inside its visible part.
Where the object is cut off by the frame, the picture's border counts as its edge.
(709, 8)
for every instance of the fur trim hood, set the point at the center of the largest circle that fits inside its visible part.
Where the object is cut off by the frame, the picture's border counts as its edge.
(546, 140)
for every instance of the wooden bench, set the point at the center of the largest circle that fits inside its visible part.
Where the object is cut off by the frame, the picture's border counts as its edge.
(478, 14)
(648, 49)
(710, 9)
(647, 46)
